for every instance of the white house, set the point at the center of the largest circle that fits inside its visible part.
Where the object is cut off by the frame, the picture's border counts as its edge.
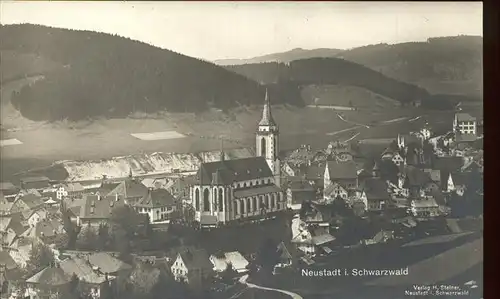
(397, 159)
(456, 184)
(236, 259)
(424, 207)
(464, 123)
(192, 266)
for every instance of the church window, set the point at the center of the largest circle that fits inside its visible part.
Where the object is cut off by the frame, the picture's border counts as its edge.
(249, 205)
(206, 200)
(197, 199)
(242, 207)
(263, 147)
(221, 201)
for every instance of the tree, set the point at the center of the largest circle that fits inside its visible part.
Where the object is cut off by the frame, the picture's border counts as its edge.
(267, 255)
(88, 239)
(229, 274)
(143, 279)
(61, 241)
(41, 257)
(102, 237)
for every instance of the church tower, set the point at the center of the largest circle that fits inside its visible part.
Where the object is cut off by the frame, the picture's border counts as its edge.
(267, 140)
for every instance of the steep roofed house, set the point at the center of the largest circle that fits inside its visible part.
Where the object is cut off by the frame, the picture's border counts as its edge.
(11, 276)
(315, 175)
(457, 182)
(464, 123)
(38, 183)
(288, 255)
(343, 173)
(97, 210)
(157, 204)
(334, 191)
(424, 207)
(406, 140)
(45, 231)
(235, 259)
(299, 192)
(71, 190)
(49, 281)
(130, 190)
(374, 194)
(192, 265)
(447, 165)
(106, 263)
(35, 216)
(89, 276)
(415, 181)
(312, 241)
(8, 190)
(25, 203)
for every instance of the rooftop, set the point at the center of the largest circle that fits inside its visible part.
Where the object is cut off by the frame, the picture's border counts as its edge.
(227, 172)
(342, 170)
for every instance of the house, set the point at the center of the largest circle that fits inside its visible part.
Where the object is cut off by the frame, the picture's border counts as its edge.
(374, 194)
(287, 255)
(405, 140)
(414, 180)
(299, 192)
(20, 250)
(397, 159)
(45, 231)
(381, 236)
(157, 204)
(334, 191)
(424, 207)
(91, 278)
(26, 202)
(340, 151)
(192, 266)
(50, 280)
(72, 190)
(457, 182)
(310, 241)
(106, 263)
(10, 276)
(464, 123)
(35, 216)
(288, 170)
(343, 173)
(97, 210)
(315, 175)
(130, 190)
(235, 259)
(8, 190)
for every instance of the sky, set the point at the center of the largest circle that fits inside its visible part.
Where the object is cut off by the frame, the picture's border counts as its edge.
(228, 30)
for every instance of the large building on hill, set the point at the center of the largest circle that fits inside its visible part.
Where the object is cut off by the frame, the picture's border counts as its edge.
(228, 190)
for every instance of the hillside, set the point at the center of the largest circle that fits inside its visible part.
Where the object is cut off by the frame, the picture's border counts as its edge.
(442, 65)
(331, 71)
(111, 76)
(295, 54)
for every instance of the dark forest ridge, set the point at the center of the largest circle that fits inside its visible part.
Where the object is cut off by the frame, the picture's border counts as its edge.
(89, 74)
(450, 64)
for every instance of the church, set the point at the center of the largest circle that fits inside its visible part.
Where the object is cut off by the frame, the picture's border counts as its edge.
(229, 190)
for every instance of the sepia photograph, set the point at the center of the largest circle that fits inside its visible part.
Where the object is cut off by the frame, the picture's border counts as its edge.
(241, 150)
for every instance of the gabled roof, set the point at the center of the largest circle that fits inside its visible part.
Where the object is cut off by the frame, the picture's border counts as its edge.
(230, 171)
(45, 229)
(82, 269)
(74, 187)
(107, 263)
(465, 137)
(424, 203)
(7, 186)
(375, 189)
(7, 260)
(51, 277)
(34, 179)
(156, 199)
(464, 117)
(342, 170)
(435, 175)
(315, 172)
(196, 259)
(93, 208)
(283, 251)
(129, 188)
(32, 201)
(416, 177)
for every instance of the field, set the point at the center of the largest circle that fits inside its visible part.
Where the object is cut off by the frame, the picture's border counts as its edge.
(40, 144)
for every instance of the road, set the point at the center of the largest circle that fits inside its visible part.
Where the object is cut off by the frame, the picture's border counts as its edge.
(243, 280)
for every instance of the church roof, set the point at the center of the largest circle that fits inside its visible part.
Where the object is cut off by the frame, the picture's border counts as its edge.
(267, 117)
(230, 171)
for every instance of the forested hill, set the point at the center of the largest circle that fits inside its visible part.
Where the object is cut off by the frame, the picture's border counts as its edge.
(112, 76)
(325, 71)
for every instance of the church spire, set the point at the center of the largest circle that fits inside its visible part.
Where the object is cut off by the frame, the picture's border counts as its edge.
(267, 117)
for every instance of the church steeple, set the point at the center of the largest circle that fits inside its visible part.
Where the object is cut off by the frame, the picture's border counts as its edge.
(267, 117)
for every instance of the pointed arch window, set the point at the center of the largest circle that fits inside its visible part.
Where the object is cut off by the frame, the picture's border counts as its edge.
(206, 200)
(254, 204)
(197, 199)
(242, 207)
(263, 147)
(221, 201)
